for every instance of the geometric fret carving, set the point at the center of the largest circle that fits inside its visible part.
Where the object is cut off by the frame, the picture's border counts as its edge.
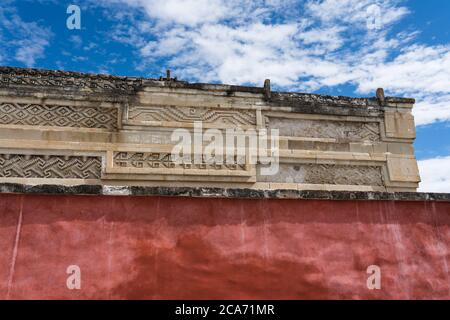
(343, 175)
(58, 116)
(49, 166)
(333, 174)
(343, 131)
(191, 114)
(127, 125)
(163, 160)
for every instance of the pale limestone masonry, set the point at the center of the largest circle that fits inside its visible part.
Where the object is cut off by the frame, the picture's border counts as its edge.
(70, 128)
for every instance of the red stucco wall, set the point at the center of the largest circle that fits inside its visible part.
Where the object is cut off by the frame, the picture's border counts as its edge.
(203, 248)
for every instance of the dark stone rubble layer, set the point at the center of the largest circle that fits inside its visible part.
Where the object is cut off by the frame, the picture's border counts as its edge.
(218, 192)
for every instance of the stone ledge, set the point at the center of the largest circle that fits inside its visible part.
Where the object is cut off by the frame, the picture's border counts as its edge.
(218, 192)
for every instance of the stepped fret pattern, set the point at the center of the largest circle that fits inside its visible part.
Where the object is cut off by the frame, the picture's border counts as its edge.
(49, 166)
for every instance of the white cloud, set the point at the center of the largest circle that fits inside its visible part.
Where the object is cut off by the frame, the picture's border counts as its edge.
(184, 12)
(415, 69)
(419, 71)
(188, 12)
(357, 13)
(27, 40)
(29, 51)
(432, 108)
(300, 45)
(435, 174)
(76, 40)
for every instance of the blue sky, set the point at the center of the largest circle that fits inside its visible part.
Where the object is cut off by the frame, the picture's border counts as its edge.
(339, 47)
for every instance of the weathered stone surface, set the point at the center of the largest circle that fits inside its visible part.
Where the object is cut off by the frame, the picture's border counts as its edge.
(58, 115)
(219, 192)
(152, 114)
(364, 144)
(399, 124)
(327, 174)
(343, 131)
(49, 166)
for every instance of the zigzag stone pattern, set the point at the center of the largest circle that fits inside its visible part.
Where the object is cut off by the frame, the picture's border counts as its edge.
(191, 114)
(49, 166)
(58, 116)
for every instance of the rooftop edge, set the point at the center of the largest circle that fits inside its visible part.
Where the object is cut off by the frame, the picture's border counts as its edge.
(136, 82)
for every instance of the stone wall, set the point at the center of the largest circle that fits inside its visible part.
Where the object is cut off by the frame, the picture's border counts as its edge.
(69, 128)
(216, 244)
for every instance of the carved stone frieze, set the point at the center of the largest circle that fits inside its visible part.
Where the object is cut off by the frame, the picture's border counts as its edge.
(62, 126)
(340, 130)
(333, 174)
(58, 115)
(191, 114)
(49, 166)
(161, 160)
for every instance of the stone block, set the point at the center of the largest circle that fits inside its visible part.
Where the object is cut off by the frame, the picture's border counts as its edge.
(403, 169)
(399, 125)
